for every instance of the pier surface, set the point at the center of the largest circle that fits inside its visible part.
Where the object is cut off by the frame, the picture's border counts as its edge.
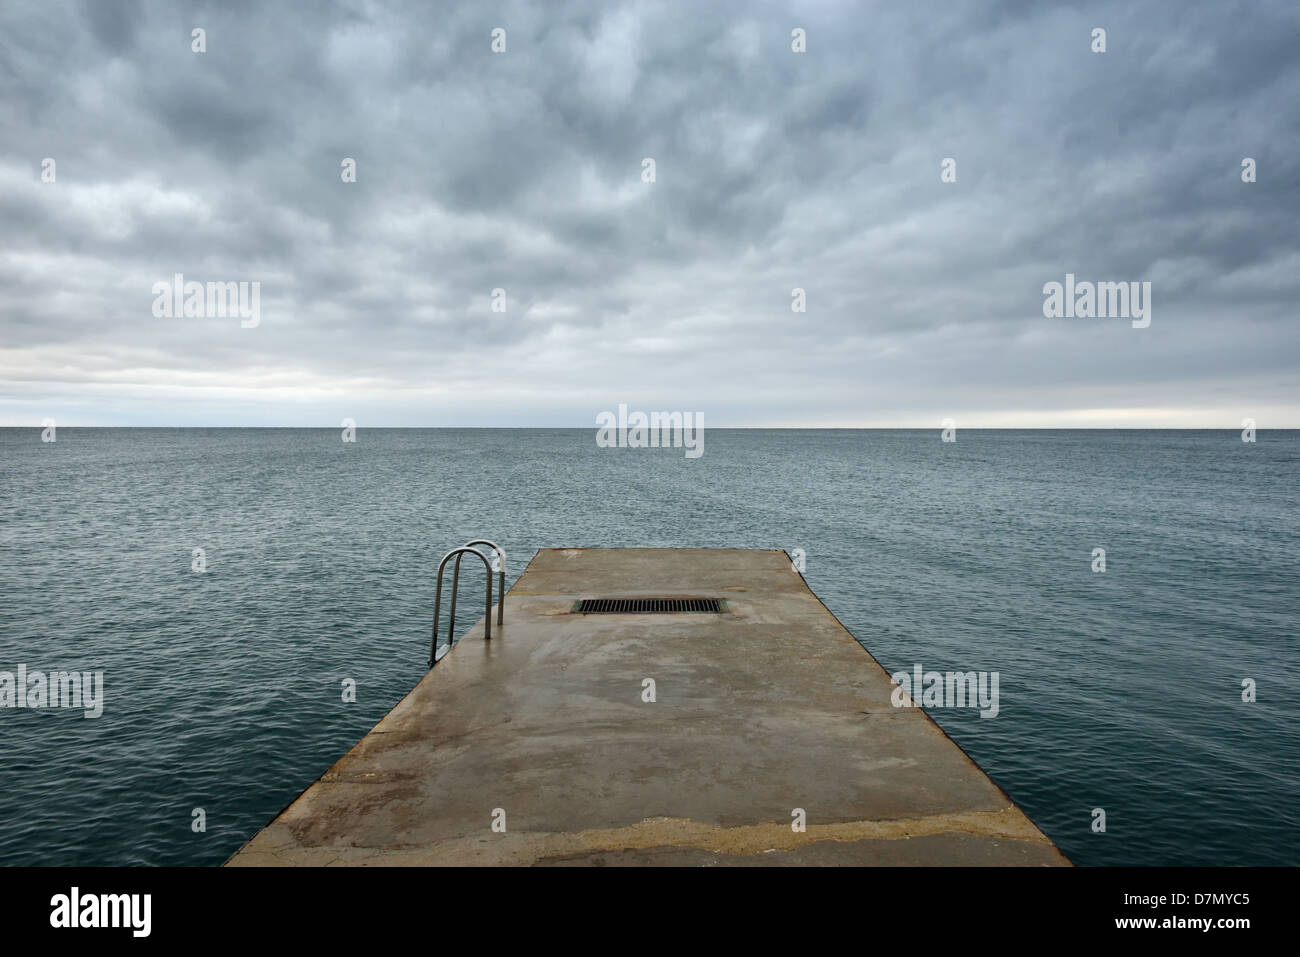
(768, 707)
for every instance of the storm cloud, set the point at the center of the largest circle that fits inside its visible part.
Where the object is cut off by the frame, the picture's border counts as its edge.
(522, 171)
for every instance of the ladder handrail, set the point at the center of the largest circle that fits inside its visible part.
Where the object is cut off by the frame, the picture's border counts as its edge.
(455, 586)
(501, 580)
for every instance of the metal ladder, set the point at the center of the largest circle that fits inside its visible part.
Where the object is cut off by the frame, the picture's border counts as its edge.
(460, 553)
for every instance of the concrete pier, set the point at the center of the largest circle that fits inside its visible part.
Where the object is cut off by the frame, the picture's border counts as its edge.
(765, 708)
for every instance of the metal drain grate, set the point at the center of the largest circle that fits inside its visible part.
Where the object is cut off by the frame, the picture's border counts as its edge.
(648, 606)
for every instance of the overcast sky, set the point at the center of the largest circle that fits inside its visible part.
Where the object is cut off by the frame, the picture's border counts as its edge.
(774, 169)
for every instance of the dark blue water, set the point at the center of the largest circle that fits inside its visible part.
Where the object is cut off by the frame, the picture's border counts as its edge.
(1119, 690)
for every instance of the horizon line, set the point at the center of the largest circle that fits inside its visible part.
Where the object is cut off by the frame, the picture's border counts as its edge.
(716, 428)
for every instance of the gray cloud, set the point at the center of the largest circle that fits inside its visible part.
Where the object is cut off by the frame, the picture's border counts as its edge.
(775, 170)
